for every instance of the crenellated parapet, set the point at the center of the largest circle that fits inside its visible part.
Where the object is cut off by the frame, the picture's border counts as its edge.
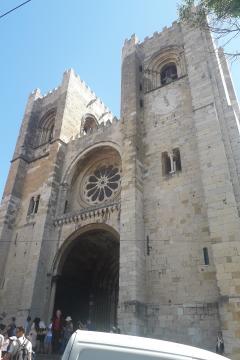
(166, 31)
(133, 42)
(104, 127)
(69, 76)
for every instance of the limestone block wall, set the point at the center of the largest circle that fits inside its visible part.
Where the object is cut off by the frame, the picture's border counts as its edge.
(181, 289)
(181, 211)
(31, 238)
(80, 100)
(132, 289)
(229, 115)
(26, 239)
(35, 179)
(12, 192)
(220, 185)
(58, 226)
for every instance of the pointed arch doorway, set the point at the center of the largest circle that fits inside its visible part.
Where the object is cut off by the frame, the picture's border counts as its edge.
(88, 278)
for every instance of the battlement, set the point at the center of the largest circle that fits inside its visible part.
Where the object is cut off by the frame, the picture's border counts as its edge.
(51, 92)
(36, 94)
(133, 42)
(161, 34)
(103, 127)
(71, 76)
(70, 79)
(158, 34)
(129, 45)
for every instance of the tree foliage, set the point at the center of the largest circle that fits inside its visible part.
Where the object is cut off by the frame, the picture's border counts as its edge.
(221, 9)
(222, 17)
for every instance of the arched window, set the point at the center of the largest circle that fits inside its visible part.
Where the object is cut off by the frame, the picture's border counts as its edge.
(171, 162)
(89, 124)
(46, 128)
(33, 205)
(168, 73)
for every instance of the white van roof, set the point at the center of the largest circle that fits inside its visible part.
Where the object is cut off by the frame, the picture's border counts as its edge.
(141, 343)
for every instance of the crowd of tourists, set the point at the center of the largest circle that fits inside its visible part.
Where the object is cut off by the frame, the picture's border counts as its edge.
(36, 337)
(23, 342)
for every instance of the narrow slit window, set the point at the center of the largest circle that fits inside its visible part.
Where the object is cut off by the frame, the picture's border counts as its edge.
(177, 160)
(166, 163)
(65, 207)
(36, 204)
(31, 206)
(205, 256)
(2, 283)
(50, 136)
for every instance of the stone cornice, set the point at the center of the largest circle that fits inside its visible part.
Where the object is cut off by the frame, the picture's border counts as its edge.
(89, 213)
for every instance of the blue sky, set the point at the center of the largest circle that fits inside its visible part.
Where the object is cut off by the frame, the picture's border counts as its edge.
(45, 37)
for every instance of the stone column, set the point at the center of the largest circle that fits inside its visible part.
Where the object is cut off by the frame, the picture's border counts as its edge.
(132, 246)
(50, 307)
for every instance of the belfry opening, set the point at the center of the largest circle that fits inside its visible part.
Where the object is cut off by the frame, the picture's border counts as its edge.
(88, 280)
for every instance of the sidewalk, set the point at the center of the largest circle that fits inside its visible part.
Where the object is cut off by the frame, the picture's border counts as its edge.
(47, 357)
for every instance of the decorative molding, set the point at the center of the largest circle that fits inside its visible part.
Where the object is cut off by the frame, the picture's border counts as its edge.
(89, 213)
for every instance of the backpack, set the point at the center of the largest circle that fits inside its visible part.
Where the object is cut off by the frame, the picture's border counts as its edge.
(22, 352)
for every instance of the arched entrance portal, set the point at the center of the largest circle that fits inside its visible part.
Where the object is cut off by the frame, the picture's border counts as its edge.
(87, 286)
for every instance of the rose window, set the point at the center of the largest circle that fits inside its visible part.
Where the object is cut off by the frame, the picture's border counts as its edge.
(103, 184)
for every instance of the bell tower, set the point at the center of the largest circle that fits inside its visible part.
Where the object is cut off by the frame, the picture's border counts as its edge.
(179, 115)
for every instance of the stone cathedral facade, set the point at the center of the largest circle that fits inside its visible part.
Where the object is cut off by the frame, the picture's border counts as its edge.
(133, 221)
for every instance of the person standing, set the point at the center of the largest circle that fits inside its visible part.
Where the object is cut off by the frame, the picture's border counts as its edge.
(5, 343)
(67, 332)
(220, 344)
(1, 341)
(57, 327)
(11, 329)
(33, 332)
(90, 326)
(48, 339)
(21, 348)
(27, 326)
(41, 336)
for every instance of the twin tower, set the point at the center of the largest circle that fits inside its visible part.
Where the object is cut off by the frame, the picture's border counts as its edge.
(131, 222)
